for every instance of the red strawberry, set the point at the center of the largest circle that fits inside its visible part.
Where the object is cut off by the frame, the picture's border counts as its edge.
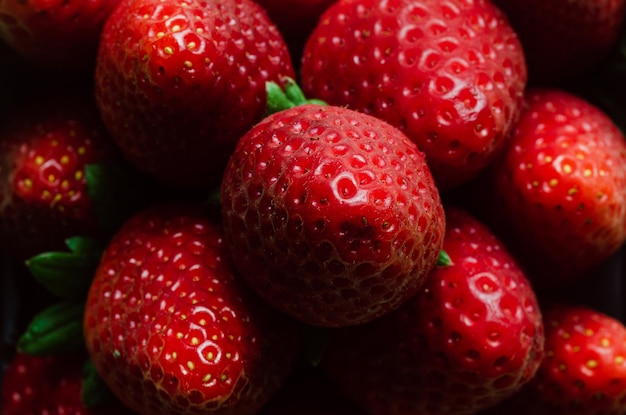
(449, 74)
(44, 149)
(332, 215)
(50, 385)
(470, 338)
(55, 34)
(179, 81)
(563, 39)
(584, 371)
(560, 188)
(172, 330)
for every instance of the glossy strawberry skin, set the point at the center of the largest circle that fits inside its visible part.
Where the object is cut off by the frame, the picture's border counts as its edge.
(471, 337)
(564, 39)
(179, 82)
(560, 188)
(172, 330)
(332, 215)
(43, 190)
(43, 385)
(59, 35)
(450, 74)
(584, 370)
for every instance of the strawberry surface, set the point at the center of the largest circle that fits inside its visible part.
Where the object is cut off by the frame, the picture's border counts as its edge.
(584, 369)
(450, 74)
(49, 385)
(470, 338)
(332, 215)
(44, 149)
(564, 39)
(171, 329)
(560, 188)
(178, 82)
(60, 35)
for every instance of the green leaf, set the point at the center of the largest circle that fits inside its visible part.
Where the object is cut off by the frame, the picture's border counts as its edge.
(95, 391)
(57, 329)
(444, 260)
(68, 274)
(292, 96)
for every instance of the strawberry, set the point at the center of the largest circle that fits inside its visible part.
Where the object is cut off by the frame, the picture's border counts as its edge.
(44, 151)
(563, 40)
(470, 338)
(178, 82)
(59, 35)
(35, 385)
(584, 370)
(332, 214)
(449, 74)
(560, 188)
(296, 21)
(170, 327)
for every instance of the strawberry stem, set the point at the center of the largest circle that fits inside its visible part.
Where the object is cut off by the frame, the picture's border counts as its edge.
(279, 99)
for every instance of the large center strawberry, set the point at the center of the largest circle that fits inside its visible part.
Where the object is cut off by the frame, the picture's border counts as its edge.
(331, 215)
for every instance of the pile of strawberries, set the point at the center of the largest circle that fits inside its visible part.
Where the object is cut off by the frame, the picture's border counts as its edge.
(240, 207)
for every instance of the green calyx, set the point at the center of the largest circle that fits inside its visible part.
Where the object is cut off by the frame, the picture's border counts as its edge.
(68, 274)
(57, 329)
(280, 99)
(444, 260)
(95, 391)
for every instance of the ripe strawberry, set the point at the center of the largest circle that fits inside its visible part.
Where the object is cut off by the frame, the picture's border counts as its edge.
(563, 39)
(449, 74)
(171, 329)
(333, 215)
(35, 385)
(470, 338)
(178, 82)
(61, 35)
(560, 188)
(584, 371)
(44, 150)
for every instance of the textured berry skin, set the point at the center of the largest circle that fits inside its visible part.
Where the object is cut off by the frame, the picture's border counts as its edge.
(172, 330)
(43, 189)
(48, 385)
(178, 82)
(470, 338)
(60, 35)
(450, 74)
(564, 39)
(332, 215)
(560, 188)
(584, 370)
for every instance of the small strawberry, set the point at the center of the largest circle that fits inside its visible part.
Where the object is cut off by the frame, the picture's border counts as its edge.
(471, 337)
(584, 370)
(449, 74)
(44, 152)
(179, 81)
(560, 188)
(60, 35)
(333, 215)
(564, 39)
(35, 385)
(171, 329)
